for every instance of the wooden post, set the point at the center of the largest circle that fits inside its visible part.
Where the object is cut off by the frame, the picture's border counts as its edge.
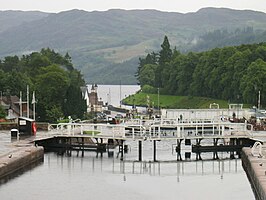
(82, 139)
(140, 150)
(178, 149)
(154, 150)
(122, 150)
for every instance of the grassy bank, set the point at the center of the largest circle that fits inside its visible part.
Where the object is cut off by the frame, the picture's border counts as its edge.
(174, 102)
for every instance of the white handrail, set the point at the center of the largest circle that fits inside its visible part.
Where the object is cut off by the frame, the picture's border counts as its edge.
(257, 146)
(151, 128)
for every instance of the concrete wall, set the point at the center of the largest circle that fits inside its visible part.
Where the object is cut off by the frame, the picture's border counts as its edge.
(18, 159)
(8, 126)
(255, 168)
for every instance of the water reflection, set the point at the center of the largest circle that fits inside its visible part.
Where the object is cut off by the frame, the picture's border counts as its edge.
(160, 168)
(61, 176)
(92, 175)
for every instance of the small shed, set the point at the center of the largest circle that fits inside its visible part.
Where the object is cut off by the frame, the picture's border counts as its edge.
(26, 126)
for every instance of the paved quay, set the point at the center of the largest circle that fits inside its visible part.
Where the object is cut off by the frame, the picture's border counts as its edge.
(16, 156)
(254, 164)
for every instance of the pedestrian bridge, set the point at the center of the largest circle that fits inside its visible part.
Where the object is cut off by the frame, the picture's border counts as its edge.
(221, 135)
(156, 129)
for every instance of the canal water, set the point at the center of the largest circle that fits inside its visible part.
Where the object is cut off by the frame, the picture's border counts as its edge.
(113, 94)
(105, 176)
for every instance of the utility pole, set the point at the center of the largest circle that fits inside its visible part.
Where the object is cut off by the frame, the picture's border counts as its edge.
(259, 101)
(28, 105)
(159, 100)
(120, 94)
(33, 102)
(20, 104)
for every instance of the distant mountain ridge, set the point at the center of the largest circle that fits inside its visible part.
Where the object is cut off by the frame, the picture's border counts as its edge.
(12, 18)
(98, 40)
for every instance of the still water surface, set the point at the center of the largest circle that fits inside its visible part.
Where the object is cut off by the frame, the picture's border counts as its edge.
(101, 177)
(113, 94)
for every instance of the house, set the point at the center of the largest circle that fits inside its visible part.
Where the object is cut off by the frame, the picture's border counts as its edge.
(85, 95)
(11, 105)
(94, 104)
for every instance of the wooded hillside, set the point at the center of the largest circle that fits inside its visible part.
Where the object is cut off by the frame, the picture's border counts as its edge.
(235, 74)
(52, 76)
(105, 46)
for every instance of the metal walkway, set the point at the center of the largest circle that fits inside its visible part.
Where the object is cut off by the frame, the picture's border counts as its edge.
(221, 135)
(157, 130)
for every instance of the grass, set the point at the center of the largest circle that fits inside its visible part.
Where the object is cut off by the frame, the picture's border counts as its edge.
(127, 52)
(8, 123)
(174, 102)
(91, 132)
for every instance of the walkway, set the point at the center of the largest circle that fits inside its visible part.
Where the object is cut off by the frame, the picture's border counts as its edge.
(157, 130)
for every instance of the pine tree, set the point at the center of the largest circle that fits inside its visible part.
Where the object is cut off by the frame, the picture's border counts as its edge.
(165, 56)
(166, 52)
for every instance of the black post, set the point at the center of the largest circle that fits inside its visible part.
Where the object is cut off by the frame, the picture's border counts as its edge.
(178, 149)
(154, 150)
(122, 150)
(69, 146)
(215, 141)
(82, 146)
(140, 150)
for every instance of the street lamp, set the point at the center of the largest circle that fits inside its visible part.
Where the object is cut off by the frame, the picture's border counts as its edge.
(259, 101)
(159, 100)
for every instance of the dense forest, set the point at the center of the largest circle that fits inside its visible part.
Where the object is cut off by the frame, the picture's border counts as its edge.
(53, 78)
(235, 74)
(224, 37)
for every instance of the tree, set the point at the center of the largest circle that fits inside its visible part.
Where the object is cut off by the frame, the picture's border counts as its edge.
(185, 71)
(74, 104)
(49, 74)
(2, 113)
(147, 74)
(165, 56)
(229, 73)
(54, 113)
(10, 63)
(254, 81)
(15, 82)
(149, 59)
(51, 87)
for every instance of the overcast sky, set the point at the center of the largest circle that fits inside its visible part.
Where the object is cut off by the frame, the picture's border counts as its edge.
(182, 6)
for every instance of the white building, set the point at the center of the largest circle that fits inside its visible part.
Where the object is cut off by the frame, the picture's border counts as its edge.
(92, 100)
(206, 114)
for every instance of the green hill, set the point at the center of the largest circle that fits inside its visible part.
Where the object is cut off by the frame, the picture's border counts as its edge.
(105, 45)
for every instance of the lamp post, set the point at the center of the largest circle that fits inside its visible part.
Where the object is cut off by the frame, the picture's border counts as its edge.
(159, 100)
(20, 104)
(28, 105)
(34, 104)
(259, 101)
(120, 94)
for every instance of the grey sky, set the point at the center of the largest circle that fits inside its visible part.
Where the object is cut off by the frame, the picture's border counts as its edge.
(182, 6)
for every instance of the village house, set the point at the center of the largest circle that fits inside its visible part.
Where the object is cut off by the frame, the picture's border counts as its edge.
(11, 105)
(92, 100)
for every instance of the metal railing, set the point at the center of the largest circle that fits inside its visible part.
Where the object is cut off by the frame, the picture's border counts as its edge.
(154, 129)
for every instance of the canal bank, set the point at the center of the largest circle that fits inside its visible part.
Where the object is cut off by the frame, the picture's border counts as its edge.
(41, 126)
(254, 164)
(18, 159)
